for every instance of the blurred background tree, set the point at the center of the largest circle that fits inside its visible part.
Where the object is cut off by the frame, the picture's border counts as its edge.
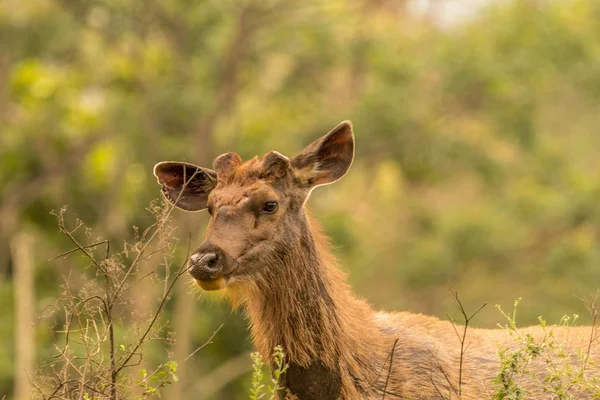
(477, 164)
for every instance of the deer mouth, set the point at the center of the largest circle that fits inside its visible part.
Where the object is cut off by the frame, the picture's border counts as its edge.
(212, 284)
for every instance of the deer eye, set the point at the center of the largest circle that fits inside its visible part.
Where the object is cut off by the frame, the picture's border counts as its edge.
(270, 207)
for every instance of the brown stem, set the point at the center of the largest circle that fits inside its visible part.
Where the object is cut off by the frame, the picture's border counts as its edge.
(462, 338)
(387, 379)
(151, 324)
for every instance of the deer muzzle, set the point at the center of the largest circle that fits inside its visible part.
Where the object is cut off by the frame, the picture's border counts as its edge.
(210, 266)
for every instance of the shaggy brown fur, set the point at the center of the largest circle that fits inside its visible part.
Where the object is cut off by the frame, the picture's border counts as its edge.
(279, 267)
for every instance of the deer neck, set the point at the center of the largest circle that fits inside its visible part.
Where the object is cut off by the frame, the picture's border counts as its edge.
(304, 304)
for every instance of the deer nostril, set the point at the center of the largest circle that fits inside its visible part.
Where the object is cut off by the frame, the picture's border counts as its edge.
(204, 266)
(206, 261)
(209, 260)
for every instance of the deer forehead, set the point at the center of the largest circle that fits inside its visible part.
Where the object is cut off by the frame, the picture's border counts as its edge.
(233, 194)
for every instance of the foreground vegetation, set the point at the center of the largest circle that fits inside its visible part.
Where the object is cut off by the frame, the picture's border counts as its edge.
(100, 352)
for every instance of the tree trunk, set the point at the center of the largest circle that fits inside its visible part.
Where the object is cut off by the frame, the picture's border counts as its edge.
(182, 315)
(22, 249)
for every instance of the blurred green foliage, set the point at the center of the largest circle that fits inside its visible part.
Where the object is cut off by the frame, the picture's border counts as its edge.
(477, 164)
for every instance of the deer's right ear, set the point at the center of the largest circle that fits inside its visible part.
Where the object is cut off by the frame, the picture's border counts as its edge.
(185, 185)
(326, 159)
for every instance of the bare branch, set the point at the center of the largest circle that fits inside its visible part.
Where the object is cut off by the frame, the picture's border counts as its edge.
(462, 337)
(68, 253)
(387, 379)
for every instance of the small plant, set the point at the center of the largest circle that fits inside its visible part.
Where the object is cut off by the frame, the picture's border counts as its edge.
(257, 391)
(257, 376)
(162, 376)
(514, 363)
(101, 338)
(559, 369)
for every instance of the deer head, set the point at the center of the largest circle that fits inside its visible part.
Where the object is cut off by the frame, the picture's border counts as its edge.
(256, 207)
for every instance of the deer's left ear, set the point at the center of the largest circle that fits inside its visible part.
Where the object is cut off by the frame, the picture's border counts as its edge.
(326, 159)
(185, 185)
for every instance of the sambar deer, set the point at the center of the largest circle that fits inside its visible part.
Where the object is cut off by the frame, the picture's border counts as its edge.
(265, 250)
